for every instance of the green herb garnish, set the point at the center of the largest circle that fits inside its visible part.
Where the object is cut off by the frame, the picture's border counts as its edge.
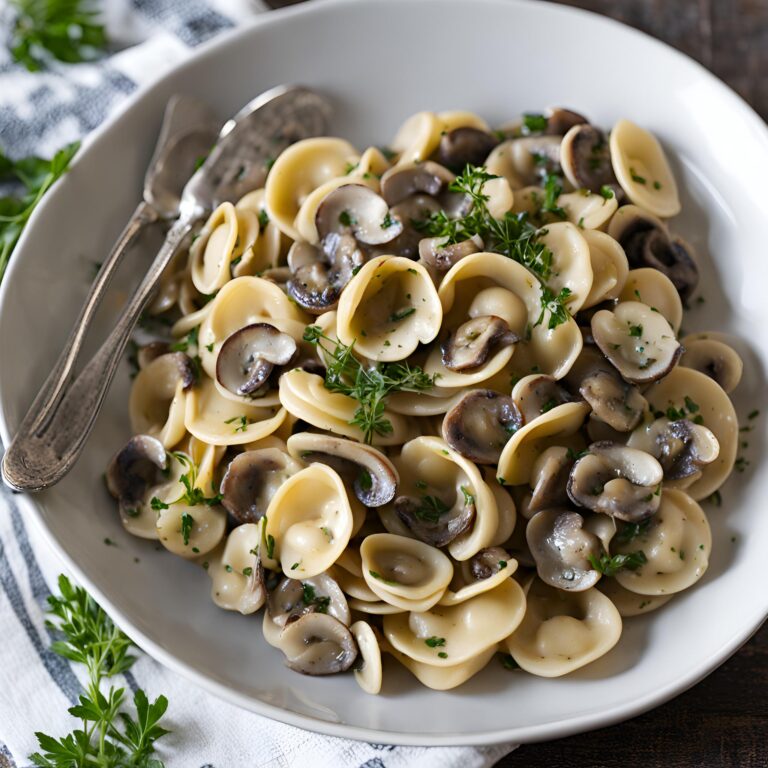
(435, 642)
(610, 566)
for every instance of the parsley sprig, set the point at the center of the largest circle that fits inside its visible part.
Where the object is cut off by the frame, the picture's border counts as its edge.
(67, 30)
(110, 735)
(513, 235)
(35, 176)
(370, 385)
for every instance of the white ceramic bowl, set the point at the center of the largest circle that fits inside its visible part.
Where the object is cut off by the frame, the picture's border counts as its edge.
(381, 61)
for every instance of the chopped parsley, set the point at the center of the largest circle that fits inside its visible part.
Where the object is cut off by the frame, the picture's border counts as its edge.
(242, 423)
(435, 642)
(401, 314)
(469, 499)
(637, 179)
(311, 599)
(534, 123)
(636, 331)
(610, 566)
(431, 509)
(346, 219)
(607, 192)
(187, 521)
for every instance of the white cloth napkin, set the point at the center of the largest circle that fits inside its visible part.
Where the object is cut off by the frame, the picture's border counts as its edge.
(39, 113)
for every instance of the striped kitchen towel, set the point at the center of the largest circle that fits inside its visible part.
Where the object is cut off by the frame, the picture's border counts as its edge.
(39, 113)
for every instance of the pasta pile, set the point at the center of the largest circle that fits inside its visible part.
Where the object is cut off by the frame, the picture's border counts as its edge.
(430, 400)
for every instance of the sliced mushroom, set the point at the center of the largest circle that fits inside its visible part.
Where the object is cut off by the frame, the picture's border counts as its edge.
(432, 521)
(403, 181)
(488, 562)
(560, 120)
(435, 252)
(648, 243)
(251, 480)
(585, 157)
(292, 598)
(177, 366)
(537, 394)
(357, 209)
(371, 474)
(715, 359)
(146, 354)
(614, 401)
(682, 447)
(134, 469)
(311, 288)
(637, 341)
(549, 478)
(480, 424)
(318, 644)
(247, 357)
(465, 146)
(561, 548)
(618, 481)
(411, 211)
(472, 343)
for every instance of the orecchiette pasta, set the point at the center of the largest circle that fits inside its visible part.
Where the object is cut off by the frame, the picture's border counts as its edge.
(429, 400)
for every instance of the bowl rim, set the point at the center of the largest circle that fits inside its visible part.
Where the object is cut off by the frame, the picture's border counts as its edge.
(527, 734)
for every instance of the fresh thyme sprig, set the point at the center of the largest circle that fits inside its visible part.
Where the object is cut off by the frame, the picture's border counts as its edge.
(67, 30)
(110, 737)
(513, 235)
(369, 385)
(36, 176)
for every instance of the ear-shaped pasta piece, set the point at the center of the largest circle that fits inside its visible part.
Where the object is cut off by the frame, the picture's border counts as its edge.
(451, 119)
(609, 267)
(368, 673)
(305, 218)
(563, 631)
(372, 163)
(655, 289)
(378, 608)
(237, 575)
(697, 395)
(587, 210)
(519, 160)
(219, 421)
(712, 353)
(447, 635)
(642, 169)
(310, 520)
(404, 572)
(529, 442)
(244, 301)
(388, 308)
(443, 498)
(206, 459)
(192, 317)
(552, 350)
(226, 235)
(571, 265)
(300, 169)
(443, 678)
(462, 589)
(431, 402)
(505, 505)
(266, 251)
(304, 395)
(207, 528)
(158, 398)
(676, 546)
(417, 138)
(630, 603)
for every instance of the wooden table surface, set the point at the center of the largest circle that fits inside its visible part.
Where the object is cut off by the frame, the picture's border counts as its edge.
(723, 721)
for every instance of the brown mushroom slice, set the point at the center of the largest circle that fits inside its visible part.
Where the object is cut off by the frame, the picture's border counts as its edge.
(613, 400)
(714, 358)
(682, 448)
(488, 562)
(465, 146)
(411, 212)
(358, 209)
(432, 521)
(549, 479)
(403, 181)
(618, 481)
(537, 394)
(372, 475)
(585, 157)
(318, 644)
(133, 470)
(560, 120)
(648, 243)
(251, 480)
(472, 343)
(311, 289)
(248, 356)
(293, 598)
(435, 252)
(561, 548)
(480, 424)
(637, 341)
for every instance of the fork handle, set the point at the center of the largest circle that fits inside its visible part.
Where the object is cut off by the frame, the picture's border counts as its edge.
(52, 435)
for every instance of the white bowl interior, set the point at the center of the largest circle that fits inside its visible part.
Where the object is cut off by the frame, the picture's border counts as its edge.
(380, 62)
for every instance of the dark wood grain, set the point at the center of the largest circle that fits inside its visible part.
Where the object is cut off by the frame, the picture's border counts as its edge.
(723, 721)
